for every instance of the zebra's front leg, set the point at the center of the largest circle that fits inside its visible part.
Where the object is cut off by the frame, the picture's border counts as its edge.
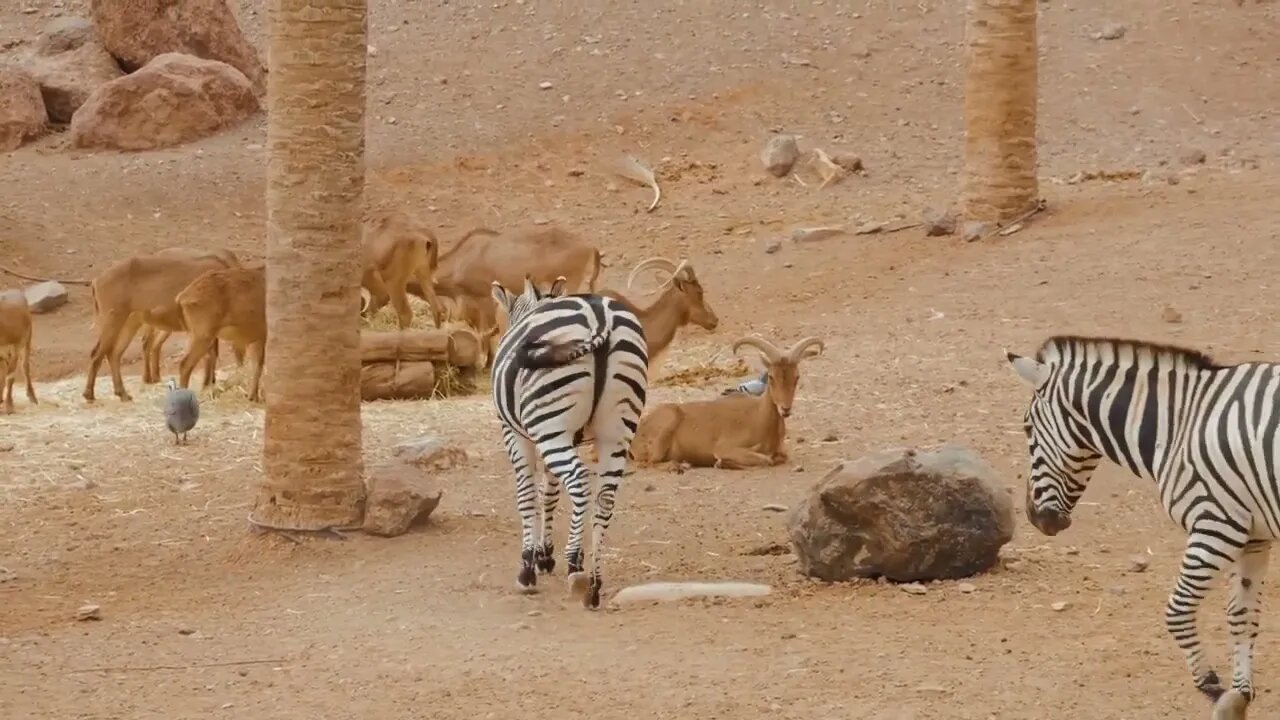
(523, 460)
(1203, 562)
(544, 553)
(1243, 612)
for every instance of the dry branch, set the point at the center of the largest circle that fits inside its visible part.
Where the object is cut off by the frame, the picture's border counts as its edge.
(193, 666)
(33, 278)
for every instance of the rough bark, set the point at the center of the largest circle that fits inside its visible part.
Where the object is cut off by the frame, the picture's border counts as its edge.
(1000, 109)
(315, 183)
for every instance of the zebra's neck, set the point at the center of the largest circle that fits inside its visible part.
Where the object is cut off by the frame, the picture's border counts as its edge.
(1136, 407)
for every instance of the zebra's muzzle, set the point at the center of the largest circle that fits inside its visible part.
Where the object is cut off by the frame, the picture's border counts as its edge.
(1048, 520)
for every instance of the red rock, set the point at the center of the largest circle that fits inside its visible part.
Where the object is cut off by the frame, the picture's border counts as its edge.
(174, 99)
(70, 64)
(22, 113)
(138, 31)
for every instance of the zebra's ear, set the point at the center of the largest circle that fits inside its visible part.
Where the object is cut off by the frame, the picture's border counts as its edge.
(557, 287)
(1033, 373)
(501, 296)
(529, 287)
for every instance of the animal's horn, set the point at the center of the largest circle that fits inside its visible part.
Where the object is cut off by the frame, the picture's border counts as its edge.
(797, 351)
(766, 348)
(653, 262)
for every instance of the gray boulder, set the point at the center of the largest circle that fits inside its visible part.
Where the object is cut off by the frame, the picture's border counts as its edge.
(903, 514)
(780, 154)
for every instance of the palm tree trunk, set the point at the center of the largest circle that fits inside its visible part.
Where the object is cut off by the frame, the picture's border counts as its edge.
(315, 186)
(1000, 110)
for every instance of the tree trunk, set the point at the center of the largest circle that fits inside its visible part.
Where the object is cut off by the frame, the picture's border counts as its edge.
(315, 186)
(1000, 110)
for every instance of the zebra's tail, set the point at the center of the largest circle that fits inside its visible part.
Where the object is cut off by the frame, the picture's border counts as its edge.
(538, 354)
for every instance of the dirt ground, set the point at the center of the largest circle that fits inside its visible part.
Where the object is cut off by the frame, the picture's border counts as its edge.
(97, 506)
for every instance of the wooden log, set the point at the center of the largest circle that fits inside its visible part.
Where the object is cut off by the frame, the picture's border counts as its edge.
(457, 346)
(397, 381)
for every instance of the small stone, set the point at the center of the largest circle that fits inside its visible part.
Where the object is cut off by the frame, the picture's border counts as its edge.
(1060, 606)
(798, 469)
(847, 161)
(939, 222)
(1110, 31)
(1193, 156)
(46, 296)
(534, 613)
(914, 589)
(1138, 564)
(966, 588)
(780, 154)
(577, 172)
(830, 437)
(186, 631)
(869, 228)
(813, 234)
(372, 51)
(546, 85)
(1116, 590)
(1171, 316)
(974, 230)
(774, 507)
(431, 452)
(773, 247)
(540, 220)
(89, 612)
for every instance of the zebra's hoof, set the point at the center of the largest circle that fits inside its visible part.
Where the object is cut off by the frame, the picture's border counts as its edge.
(1211, 686)
(544, 559)
(591, 599)
(527, 582)
(1233, 705)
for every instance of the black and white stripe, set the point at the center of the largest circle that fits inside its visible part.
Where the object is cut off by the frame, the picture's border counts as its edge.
(1206, 433)
(567, 366)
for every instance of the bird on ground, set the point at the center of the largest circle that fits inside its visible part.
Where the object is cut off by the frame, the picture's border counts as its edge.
(181, 411)
(754, 386)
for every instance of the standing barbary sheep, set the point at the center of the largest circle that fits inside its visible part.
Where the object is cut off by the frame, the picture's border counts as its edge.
(732, 431)
(181, 411)
(232, 304)
(15, 346)
(142, 290)
(398, 248)
(682, 302)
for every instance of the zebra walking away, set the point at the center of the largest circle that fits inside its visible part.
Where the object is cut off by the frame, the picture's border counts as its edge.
(567, 366)
(1206, 433)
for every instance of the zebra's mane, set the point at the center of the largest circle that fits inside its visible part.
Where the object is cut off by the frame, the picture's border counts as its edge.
(1055, 345)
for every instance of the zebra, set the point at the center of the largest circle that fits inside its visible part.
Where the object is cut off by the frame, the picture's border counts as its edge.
(1205, 432)
(568, 367)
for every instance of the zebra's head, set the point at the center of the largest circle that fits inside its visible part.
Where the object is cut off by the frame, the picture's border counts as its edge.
(516, 306)
(1061, 462)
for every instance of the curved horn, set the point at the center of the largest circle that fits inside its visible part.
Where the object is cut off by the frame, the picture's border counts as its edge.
(766, 348)
(653, 262)
(797, 351)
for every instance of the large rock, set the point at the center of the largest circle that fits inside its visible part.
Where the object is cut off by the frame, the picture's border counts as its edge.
(138, 31)
(779, 154)
(70, 64)
(22, 113)
(398, 496)
(175, 99)
(903, 514)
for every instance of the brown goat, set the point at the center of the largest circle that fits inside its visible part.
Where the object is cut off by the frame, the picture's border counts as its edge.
(15, 347)
(682, 303)
(733, 431)
(231, 304)
(142, 290)
(397, 249)
(466, 271)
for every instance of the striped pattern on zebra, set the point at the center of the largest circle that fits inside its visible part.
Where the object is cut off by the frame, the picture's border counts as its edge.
(568, 365)
(1206, 433)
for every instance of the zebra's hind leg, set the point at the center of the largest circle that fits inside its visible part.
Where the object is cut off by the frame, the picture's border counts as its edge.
(523, 461)
(1243, 613)
(613, 463)
(1208, 554)
(562, 459)
(544, 553)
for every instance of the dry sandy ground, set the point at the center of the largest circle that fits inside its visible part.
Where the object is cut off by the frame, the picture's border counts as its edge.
(97, 507)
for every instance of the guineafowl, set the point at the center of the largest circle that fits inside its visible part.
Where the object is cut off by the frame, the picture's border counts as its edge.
(754, 386)
(181, 411)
